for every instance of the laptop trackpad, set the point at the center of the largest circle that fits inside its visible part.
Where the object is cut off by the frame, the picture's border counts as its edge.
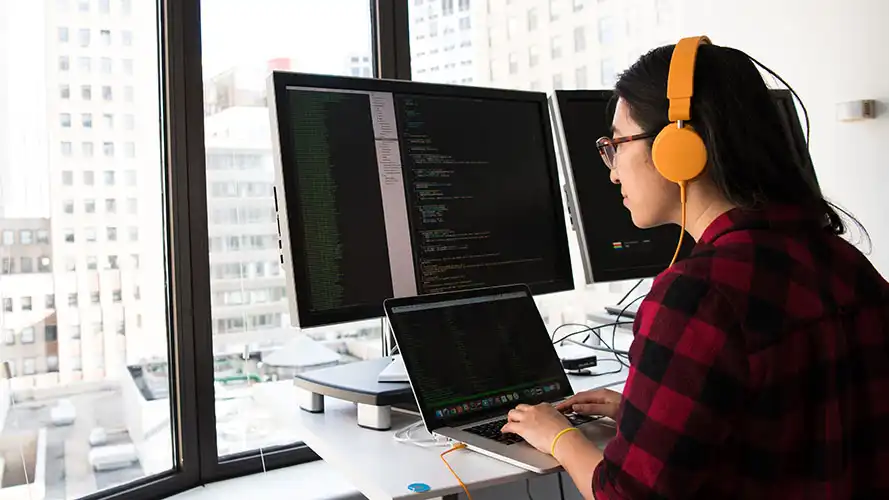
(600, 432)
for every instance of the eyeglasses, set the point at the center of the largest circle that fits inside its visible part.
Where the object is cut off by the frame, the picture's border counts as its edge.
(608, 147)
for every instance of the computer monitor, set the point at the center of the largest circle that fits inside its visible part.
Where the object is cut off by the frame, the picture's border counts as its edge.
(612, 247)
(394, 189)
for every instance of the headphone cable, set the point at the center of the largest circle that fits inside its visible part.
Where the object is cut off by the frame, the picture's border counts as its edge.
(683, 201)
(457, 446)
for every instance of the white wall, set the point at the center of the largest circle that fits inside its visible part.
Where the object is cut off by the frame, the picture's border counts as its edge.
(830, 51)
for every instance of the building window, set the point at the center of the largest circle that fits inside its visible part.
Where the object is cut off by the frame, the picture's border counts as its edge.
(128, 94)
(126, 38)
(129, 149)
(105, 6)
(128, 67)
(578, 5)
(65, 120)
(464, 5)
(556, 47)
(29, 366)
(87, 148)
(513, 63)
(116, 296)
(433, 29)
(65, 91)
(111, 233)
(63, 35)
(555, 9)
(609, 74)
(27, 265)
(126, 7)
(105, 36)
(110, 205)
(67, 177)
(557, 81)
(579, 39)
(28, 335)
(83, 5)
(129, 122)
(75, 334)
(105, 66)
(26, 237)
(8, 265)
(44, 264)
(134, 259)
(8, 336)
(108, 120)
(607, 31)
(133, 233)
(137, 293)
(85, 64)
(109, 177)
(83, 37)
(89, 206)
(106, 93)
(7, 305)
(92, 263)
(132, 206)
(8, 237)
(86, 92)
(512, 28)
(90, 234)
(121, 328)
(129, 177)
(95, 298)
(42, 236)
(70, 264)
(69, 235)
(89, 178)
(64, 63)
(50, 304)
(86, 120)
(108, 149)
(447, 7)
(465, 24)
(72, 300)
(52, 363)
(112, 262)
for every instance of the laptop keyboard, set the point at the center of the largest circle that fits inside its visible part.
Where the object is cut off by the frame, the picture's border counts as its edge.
(491, 430)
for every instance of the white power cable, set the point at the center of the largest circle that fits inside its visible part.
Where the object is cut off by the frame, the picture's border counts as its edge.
(403, 435)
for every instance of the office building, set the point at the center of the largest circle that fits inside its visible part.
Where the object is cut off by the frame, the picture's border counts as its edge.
(444, 40)
(29, 340)
(359, 65)
(555, 44)
(104, 170)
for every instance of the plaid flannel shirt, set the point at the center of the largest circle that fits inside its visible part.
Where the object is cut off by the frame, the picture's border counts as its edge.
(760, 369)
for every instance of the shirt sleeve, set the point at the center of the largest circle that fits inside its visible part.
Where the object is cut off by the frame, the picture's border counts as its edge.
(684, 387)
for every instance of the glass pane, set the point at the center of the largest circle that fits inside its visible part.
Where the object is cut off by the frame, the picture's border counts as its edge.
(256, 350)
(89, 360)
(539, 45)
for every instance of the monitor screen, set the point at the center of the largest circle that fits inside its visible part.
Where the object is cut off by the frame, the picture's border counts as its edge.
(612, 247)
(395, 189)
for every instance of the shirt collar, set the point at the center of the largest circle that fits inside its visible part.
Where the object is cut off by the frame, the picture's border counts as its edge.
(770, 217)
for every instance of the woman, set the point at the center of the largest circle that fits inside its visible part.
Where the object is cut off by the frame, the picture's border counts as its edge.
(760, 364)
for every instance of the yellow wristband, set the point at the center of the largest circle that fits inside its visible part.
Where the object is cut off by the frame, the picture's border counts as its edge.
(559, 436)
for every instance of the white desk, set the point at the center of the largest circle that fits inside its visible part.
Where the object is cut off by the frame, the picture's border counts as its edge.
(382, 468)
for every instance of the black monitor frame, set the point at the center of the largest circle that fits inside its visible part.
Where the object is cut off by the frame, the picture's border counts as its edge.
(290, 223)
(794, 133)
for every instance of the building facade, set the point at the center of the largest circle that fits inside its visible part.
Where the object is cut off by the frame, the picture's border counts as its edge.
(445, 41)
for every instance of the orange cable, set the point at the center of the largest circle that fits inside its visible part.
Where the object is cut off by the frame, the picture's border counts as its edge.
(457, 446)
(683, 201)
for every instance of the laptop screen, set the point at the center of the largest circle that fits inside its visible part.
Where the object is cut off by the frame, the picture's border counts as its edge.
(470, 356)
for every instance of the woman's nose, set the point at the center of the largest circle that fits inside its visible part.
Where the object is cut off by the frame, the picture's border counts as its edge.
(614, 177)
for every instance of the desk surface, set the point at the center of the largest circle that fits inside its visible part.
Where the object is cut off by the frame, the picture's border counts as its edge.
(382, 468)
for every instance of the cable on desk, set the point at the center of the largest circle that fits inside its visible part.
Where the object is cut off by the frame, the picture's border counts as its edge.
(586, 328)
(403, 435)
(528, 489)
(457, 446)
(626, 295)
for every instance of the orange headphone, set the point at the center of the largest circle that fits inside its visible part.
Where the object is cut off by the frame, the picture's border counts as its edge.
(678, 152)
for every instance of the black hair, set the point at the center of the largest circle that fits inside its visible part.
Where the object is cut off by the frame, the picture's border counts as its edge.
(749, 157)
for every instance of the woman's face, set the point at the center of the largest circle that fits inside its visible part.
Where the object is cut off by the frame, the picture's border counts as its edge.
(651, 199)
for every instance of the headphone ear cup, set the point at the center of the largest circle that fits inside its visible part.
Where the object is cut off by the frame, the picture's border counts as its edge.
(678, 153)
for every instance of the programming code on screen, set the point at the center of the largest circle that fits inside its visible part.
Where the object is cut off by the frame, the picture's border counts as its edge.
(494, 346)
(343, 245)
(478, 199)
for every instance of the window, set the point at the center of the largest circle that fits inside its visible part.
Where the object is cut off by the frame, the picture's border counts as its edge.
(555, 7)
(108, 120)
(609, 73)
(65, 120)
(607, 31)
(579, 39)
(465, 24)
(126, 7)
(8, 336)
(513, 63)
(129, 149)
(128, 94)
(109, 177)
(83, 5)
(75, 334)
(52, 362)
(129, 122)
(126, 38)
(251, 165)
(132, 206)
(134, 260)
(8, 265)
(72, 300)
(556, 47)
(83, 37)
(50, 304)
(64, 91)
(557, 81)
(105, 6)
(29, 366)
(92, 263)
(116, 296)
(89, 178)
(108, 149)
(28, 334)
(86, 92)
(447, 7)
(111, 206)
(129, 177)
(44, 264)
(64, 63)
(89, 206)
(27, 265)
(84, 64)
(512, 28)
(112, 262)
(70, 264)
(26, 237)
(42, 236)
(105, 66)
(464, 5)
(90, 234)
(67, 149)
(127, 66)
(8, 237)
(7, 305)
(63, 35)
(67, 177)
(111, 233)
(68, 235)
(87, 122)
(95, 297)
(133, 233)
(106, 93)
(105, 36)
(578, 5)
(87, 147)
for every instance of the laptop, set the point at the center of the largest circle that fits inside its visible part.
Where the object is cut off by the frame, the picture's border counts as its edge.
(472, 356)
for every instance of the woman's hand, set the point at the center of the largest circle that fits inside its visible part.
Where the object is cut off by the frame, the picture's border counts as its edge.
(603, 402)
(538, 425)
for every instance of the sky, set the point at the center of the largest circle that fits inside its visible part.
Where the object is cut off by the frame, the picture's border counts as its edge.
(317, 34)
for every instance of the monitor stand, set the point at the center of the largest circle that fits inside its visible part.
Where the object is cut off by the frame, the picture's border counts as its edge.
(394, 371)
(629, 313)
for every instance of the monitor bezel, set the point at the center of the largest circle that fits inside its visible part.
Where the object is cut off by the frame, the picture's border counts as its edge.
(289, 227)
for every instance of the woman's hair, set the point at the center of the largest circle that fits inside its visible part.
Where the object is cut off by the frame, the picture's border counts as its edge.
(749, 157)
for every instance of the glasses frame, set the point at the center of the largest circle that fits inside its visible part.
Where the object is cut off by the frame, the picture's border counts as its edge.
(603, 143)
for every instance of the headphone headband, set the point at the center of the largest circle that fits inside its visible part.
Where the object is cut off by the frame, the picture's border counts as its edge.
(680, 83)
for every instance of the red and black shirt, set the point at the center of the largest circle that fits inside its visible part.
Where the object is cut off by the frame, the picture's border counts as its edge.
(760, 369)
